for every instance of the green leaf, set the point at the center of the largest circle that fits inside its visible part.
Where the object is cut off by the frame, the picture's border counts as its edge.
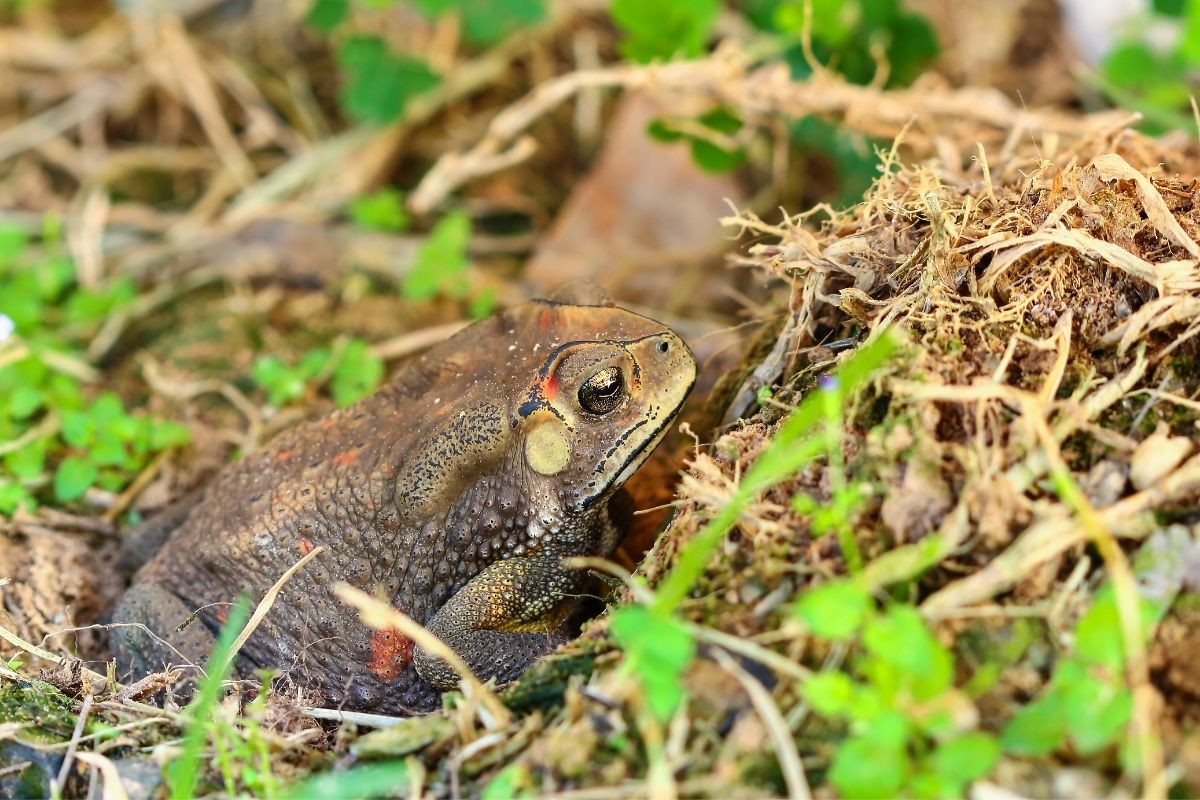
(28, 462)
(660, 131)
(13, 242)
(512, 781)
(184, 770)
(865, 767)
(53, 276)
(281, 383)
(441, 261)
(721, 120)
(21, 302)
(362, 781)
(381, 211)
(14, 496)
(165, 434)
(711, 158)
(325, 15)
(358, 373)
(1132, 64)
(23, 402)
(109, 451)
(1037, 728)
(73, 477)
(1098, 635)
(662, 29)
(378, 85)
(313, 363)
(912, 47)
(1168, 8)
(483, 303)
(659, 649)
(830, 693)
(77, 428)
(834, 610)
(1097, 711)
(900, 640)
(487, 21)
(1189, 40)
(967, 758)
(107, 409)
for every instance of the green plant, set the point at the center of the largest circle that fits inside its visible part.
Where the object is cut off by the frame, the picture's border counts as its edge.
(378, 83)
(365, 780)
(853, 36)
(1087, 701)
(350, 368)
(183, 773)
(53, 435)
(440, 267)
(658, 646)
(897, 701)
(381, 211)
(662, 29)
(1156, 81)
(711, 144)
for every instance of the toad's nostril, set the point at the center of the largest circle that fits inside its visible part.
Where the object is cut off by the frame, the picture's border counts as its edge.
(663, 347)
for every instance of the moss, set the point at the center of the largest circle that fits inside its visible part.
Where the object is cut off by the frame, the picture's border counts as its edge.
(48, 714)
(542, 687)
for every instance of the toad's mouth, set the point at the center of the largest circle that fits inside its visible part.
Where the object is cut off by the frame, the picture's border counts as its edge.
(638, 456)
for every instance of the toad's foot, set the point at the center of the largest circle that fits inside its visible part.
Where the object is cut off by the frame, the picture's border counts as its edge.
(509, 615)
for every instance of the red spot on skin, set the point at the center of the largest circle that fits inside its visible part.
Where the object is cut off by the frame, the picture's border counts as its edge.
(284, 455)
(547, 387)
(306, 546)
(391, 652)
(345, 458)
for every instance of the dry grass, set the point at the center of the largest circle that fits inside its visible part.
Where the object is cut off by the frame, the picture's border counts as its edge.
(1043, 266)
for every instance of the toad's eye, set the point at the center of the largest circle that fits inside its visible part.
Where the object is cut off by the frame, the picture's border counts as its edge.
(602, 392)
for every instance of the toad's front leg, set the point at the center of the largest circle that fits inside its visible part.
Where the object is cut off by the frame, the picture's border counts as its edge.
(506, 617)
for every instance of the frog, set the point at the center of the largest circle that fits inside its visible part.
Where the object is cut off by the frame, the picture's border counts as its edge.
(464, 492)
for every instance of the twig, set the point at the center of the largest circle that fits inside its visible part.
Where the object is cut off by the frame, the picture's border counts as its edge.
(753, 651)
(726, 77)
(1054, 534)
(109, 776)
(378, 614)
(264, 605)
(777, 729)
(143, 479)
(46, 427)
(197, 87)
(65, 769)
(34, 650)
(35, 131)
(354, 717)
(415, 341)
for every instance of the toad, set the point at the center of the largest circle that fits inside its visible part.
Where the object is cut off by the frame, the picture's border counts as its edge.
(456, 491)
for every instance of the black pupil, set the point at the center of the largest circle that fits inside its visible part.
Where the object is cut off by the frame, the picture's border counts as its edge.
(601, 392)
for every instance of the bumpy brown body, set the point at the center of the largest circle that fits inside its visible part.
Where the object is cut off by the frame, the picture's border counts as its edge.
(455, 491)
